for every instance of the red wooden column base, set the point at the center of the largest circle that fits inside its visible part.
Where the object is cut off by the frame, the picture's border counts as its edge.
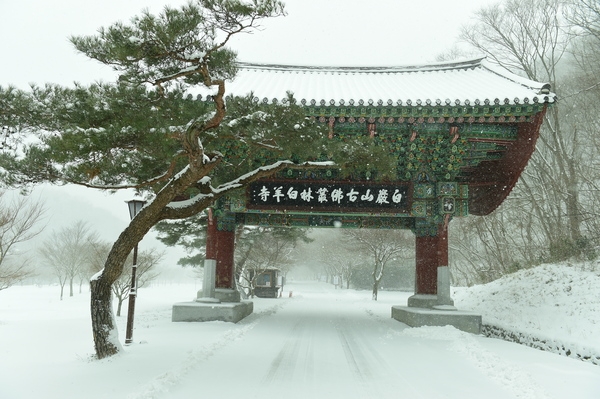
(220, 246)
(431, 252)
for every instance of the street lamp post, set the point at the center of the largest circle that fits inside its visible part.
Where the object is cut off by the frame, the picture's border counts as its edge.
(135, 205)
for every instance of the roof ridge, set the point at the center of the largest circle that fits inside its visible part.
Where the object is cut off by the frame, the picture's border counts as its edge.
(440, 66)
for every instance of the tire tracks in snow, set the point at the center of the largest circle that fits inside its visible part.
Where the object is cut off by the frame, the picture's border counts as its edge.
(295, 361)
(284, 364)
(365, 361)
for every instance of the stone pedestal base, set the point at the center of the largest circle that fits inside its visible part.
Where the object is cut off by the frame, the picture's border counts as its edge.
(419, 317)
(428, 301)
(197, 311)
(223, 295)
(422, 301)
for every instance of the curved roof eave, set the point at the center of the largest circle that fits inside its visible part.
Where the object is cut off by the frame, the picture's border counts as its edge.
(437, 66)
(542, 88)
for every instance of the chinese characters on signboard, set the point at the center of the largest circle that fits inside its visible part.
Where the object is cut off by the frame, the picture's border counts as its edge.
(321, 196)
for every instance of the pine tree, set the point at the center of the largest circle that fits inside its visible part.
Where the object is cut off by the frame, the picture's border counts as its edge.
(146, 131)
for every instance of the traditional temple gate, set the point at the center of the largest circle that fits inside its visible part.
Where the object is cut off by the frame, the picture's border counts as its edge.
(462, 132)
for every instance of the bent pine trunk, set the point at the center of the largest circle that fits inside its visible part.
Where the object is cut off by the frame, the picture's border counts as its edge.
(106, 338)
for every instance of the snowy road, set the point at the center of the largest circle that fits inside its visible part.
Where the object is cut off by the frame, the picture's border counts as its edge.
(333, 344)
(321, 343)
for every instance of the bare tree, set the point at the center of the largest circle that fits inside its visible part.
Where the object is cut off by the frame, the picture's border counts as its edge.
(147, 262)
(338, 258)
(381, 246)
(19, 221)
(532, 38)
(342, 262)
(265, 249)
(552, 213)
(585, 14)
(67, 253)
(486, 248)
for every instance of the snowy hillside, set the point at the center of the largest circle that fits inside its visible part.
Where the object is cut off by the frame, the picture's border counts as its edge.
(553, 307)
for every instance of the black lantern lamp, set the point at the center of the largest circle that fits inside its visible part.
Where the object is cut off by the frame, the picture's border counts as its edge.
(135, 205)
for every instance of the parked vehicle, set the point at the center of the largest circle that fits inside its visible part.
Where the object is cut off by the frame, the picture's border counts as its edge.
(267, 283)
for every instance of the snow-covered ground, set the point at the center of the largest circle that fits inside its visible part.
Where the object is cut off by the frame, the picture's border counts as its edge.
(319, 343)
(553, 307)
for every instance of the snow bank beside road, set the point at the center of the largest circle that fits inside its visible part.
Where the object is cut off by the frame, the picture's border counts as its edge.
(553, 307)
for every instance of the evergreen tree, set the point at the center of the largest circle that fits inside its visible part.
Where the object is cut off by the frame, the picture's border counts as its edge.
(146, 131)
(189, 234)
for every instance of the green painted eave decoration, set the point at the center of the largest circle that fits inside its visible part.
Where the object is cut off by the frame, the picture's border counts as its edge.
(492, 113)
(489, 132)
(480, 131)
(438, 153)
(428, 148)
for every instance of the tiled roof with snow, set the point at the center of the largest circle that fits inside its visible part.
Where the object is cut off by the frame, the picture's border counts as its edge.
(469, 82)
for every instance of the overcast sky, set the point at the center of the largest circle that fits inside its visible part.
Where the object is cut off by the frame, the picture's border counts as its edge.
(34, 47)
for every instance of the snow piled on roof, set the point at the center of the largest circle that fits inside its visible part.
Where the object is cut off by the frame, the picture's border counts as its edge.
(463, 83)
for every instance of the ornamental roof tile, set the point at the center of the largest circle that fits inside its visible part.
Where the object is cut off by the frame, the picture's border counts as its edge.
(469, 82)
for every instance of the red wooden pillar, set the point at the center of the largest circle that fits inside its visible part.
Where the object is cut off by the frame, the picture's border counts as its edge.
(431, 252)
(220, 246)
